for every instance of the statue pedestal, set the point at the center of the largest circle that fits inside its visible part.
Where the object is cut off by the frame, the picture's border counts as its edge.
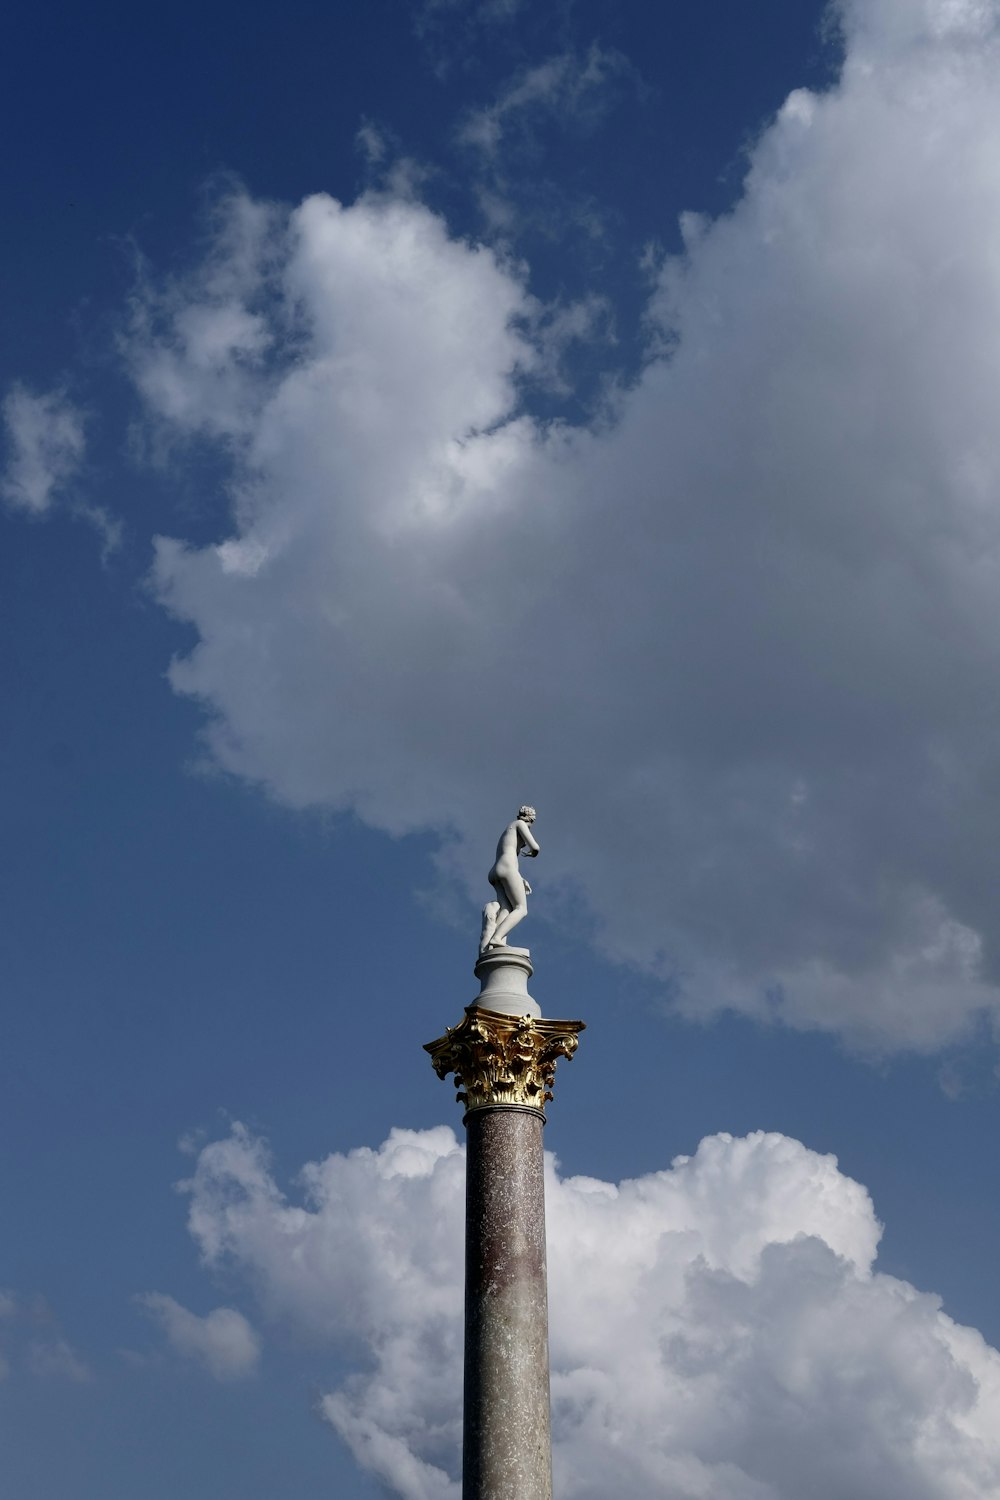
(503, 975)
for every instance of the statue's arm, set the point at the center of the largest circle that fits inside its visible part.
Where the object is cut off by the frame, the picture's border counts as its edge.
(526, 840)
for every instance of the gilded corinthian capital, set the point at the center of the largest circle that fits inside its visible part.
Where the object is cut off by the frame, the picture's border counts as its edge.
(503, 1060)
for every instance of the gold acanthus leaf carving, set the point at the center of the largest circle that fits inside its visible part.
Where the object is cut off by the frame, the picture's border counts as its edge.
(499, 1059)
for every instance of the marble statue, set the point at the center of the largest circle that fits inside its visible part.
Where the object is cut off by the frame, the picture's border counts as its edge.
(511, 905)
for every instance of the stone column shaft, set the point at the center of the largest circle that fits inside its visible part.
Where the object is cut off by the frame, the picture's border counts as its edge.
(503, 1055)
(507, 1448)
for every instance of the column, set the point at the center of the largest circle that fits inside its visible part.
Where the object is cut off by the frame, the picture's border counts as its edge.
(504, 1061)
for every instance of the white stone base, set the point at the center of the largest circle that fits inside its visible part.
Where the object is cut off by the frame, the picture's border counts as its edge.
(503, 974)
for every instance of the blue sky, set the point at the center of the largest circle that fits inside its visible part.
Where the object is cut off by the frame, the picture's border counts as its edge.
(415, 409)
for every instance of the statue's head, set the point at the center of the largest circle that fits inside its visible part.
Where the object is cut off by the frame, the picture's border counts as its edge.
(526, 814)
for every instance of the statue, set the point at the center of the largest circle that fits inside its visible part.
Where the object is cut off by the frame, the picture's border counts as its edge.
(511, 905)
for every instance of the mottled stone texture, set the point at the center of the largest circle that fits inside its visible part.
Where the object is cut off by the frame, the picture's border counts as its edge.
(507, 1452)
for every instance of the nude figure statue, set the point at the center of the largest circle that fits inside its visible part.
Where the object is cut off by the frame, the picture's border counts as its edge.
(511, 905)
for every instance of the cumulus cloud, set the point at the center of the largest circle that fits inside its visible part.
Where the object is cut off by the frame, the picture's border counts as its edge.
(223, 1340)
(45, 437)
(718, 1329)
(742, 637)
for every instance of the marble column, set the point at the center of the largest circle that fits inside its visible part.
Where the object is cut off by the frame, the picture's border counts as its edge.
(506, 1445)
(503, 1055)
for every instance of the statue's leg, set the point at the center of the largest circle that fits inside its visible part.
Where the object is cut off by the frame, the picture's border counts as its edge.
(518, 904)
(491, 916)
(507, 924)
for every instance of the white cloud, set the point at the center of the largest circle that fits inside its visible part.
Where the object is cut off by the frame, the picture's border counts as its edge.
(876, 26)
(223, 1340)
(718, 1329)
(46, 443)
(201, 377)
(738, 644)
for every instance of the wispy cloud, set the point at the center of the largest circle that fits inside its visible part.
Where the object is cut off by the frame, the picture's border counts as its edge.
(46, 443)
(451, 30)
(56, 1356)
(570, 89)
(32, 1342)
(571, 93)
